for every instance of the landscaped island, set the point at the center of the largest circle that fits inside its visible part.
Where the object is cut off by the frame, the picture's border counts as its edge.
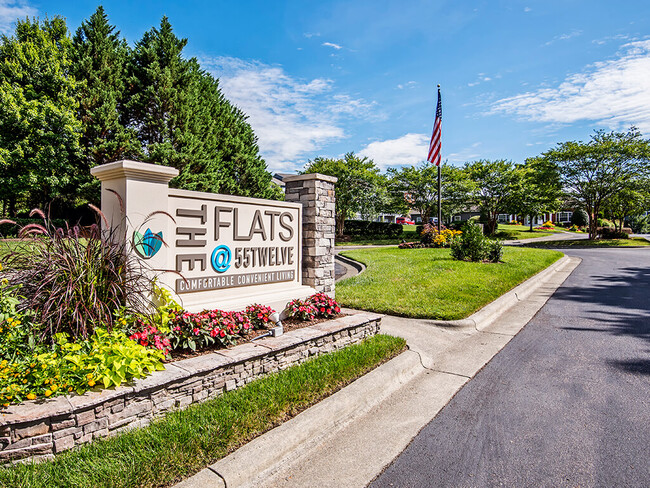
(429, 283)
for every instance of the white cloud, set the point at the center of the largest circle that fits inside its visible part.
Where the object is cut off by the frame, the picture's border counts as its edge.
(481, 78)
(617, 37)
(408, 84)
(10, 10)
(564, 37)
(290, 117)
(613, 93)
(467, 154)
(331, 44)
(408, 149)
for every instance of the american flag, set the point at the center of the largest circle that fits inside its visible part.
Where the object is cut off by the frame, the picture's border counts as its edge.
(434, 145)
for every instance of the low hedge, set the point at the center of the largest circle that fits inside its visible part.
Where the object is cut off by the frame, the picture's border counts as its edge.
(364, 228)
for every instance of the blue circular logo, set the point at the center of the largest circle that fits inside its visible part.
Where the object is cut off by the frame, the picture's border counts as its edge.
(221, 259)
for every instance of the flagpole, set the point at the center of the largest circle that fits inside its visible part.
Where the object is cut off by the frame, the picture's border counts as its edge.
(439, 201)
(439, 188)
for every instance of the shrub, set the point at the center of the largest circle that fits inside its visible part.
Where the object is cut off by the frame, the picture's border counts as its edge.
(548, 224)
(260, 316)
(301, 310)
(74, 282)
(640, 224)
(610, 233)
(604, 223)
(474, 246)
(364, 228)
(575, 228)
(325, 306)
(494, 251)
(580, 218)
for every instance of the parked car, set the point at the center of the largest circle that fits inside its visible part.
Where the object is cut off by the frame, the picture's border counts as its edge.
(404, 220)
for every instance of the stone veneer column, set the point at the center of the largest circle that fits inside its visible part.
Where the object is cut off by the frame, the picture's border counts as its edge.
(316, 193)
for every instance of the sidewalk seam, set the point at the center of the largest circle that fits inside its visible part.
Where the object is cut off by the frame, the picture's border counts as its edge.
(225, 483)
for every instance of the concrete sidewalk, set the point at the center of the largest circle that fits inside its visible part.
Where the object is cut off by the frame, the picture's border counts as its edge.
(348, 438)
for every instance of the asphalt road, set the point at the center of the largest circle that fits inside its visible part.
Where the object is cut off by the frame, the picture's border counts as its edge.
(565, 404)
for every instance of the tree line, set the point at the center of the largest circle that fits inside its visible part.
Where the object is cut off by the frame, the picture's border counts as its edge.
(607, 176)
(68, 103)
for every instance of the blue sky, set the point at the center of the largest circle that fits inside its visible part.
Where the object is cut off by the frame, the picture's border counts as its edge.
(322, 78)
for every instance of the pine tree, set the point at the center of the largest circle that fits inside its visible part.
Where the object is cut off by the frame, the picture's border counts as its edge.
(183, 120)
(39, 131)
(162, 86)
(99, 62)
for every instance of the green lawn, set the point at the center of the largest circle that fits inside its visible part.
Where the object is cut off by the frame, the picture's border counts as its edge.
(186, 441)
(631, 242)
(517, 232)
(428, 283)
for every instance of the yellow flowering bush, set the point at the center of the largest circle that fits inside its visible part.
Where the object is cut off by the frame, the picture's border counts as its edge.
(444, 238)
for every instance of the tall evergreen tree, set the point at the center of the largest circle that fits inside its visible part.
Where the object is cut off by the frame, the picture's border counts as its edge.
(39, 130)
(183, 120)
(99, 62)
(162, 91)
(246, 170)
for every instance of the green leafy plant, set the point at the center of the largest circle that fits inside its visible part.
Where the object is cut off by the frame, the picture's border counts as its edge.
(640, 224)
(324, 305)
(199, 330)
(106, 359)
(260, 316)
(472, 245)
(300, 309)
(580, 218)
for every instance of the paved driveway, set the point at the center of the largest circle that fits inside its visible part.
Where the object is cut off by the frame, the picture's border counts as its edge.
(567, 401)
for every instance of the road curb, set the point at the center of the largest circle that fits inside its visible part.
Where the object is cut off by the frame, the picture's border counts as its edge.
(490, 312)
(256, 461)
(262, 456)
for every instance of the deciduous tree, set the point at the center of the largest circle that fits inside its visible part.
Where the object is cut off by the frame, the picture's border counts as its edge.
(39, 128)
(357, 187)
(539, 189)
(416, 187)
(495, 190)
(595, 171)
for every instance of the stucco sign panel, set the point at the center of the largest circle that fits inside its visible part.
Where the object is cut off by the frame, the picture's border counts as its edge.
(221, 242)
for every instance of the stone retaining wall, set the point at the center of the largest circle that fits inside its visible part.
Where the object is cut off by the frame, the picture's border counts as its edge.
(42, 429)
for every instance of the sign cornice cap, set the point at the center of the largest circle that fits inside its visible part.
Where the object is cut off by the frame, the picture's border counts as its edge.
(126, 168)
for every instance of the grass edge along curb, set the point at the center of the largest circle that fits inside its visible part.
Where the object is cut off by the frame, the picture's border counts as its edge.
(185, 441)
(632, 242)
(429, 284)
